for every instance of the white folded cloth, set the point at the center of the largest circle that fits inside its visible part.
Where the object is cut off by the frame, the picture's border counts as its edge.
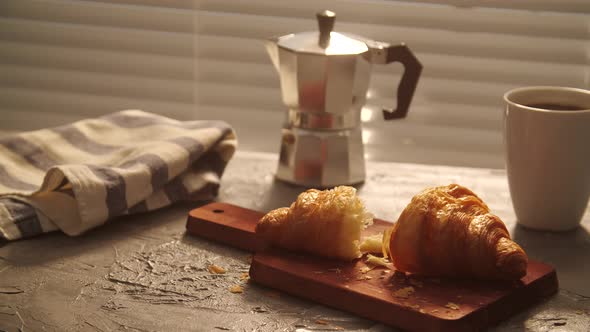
(78, 176)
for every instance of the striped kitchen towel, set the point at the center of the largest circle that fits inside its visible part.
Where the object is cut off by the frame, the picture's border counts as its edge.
(78, 176)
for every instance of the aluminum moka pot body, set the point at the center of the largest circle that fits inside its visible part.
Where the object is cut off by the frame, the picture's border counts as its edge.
(324, 78)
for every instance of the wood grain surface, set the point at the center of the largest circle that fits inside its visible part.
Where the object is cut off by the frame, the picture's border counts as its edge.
(381, 294)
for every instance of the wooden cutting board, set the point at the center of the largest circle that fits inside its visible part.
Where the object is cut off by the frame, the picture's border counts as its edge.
(381, 294)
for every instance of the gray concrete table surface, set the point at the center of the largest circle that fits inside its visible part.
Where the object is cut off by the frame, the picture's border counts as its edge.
(143, 273)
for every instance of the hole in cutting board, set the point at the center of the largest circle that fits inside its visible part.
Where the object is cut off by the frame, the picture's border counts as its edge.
(218, 211)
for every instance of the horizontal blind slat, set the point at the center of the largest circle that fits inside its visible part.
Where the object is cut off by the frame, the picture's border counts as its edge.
(502, 46)
(176, 4)
(106, 38)
(445, 114)
(453, 89)
(19, 119)
(214, 65)
(485, 116)
(436, 136)
(407, 152)
(97, 83)
(410, 14)
(98, 60)
(228, 94)
(433, 142)
(99, 14)
(565, 6)
(88, 105)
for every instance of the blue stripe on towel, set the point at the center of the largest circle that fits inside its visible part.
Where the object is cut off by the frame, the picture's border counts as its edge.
(29, 151)
(9, 181)
(23, 216)
(116, 199)
(194, 148)
(157, 166)
(77, 139)
(134, 120)
(175, 190)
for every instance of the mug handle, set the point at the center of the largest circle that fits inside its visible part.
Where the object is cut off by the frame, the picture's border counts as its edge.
(384, 53)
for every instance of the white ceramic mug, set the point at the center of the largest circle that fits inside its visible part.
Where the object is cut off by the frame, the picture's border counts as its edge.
(548, 155)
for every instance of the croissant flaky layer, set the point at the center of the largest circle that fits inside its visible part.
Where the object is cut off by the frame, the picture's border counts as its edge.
(449, 231)
(326, 223)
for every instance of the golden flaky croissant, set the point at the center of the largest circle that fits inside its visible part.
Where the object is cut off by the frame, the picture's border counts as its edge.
(326, 223)
(449, 231)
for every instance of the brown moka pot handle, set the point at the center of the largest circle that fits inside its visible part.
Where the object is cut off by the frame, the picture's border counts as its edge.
(384, 53)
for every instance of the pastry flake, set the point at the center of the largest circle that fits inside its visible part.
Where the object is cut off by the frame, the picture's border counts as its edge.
(377, 261)
(372, 244)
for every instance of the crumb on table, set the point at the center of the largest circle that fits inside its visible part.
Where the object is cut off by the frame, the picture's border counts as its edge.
(404, 292)
(244, 276)
(215, 269)
(236, 289)
(452, 306)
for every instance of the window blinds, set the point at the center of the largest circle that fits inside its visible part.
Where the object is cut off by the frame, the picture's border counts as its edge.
(61, 61)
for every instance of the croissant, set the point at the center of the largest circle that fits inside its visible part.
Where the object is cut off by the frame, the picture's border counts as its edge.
(325, 223)
(449, 231)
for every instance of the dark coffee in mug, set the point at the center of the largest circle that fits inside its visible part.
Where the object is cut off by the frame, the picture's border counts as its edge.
(557, 107)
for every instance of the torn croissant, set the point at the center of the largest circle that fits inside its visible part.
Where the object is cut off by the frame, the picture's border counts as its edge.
(449, 231)
(325, 223)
